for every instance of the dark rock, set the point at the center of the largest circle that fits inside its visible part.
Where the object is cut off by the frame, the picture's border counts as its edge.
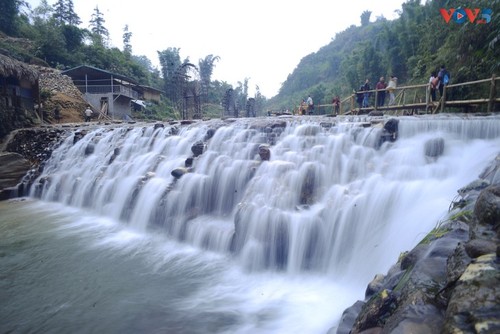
(198, 148)
(159, 125)
(413, 256)
(210, 133)
(487, 208)
(375, 286)
(474, 303)
(264, 152)
(189, 162)
(89, 149)
(13, 167)
(376, 312)
(348, 318)
(477, 247)
(179, 172)
(434, 148)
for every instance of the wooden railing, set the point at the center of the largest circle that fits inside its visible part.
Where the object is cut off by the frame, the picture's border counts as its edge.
(416, 98)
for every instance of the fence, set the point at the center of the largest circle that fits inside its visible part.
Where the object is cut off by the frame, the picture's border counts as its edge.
(417, 98)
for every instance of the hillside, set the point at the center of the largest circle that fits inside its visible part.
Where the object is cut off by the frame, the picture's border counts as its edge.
(410, 47)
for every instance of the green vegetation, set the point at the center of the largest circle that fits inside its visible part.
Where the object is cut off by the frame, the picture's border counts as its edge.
(410, 47)
(51, 36)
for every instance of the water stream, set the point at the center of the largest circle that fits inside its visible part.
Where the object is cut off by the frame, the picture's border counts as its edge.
(109, 241)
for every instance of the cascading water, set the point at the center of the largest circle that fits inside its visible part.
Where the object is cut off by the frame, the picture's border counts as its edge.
(329, 206)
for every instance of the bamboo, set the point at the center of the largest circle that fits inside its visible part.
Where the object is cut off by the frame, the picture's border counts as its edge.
(493, 89)
(471, 82)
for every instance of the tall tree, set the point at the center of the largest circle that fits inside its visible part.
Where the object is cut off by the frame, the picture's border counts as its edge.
(43, 12)
(71, 17)
(206, 68)
(365, 17)
(97, 26)
(9, 11)
(64, 13)
(127, 47)
(170, 62)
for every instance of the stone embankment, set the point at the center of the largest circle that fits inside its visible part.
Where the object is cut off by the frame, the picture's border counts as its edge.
(450, 282)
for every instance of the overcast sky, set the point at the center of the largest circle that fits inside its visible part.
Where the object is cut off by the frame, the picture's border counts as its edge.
(263, 40)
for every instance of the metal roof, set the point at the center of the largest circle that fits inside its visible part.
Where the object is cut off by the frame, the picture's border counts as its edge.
(79, 72)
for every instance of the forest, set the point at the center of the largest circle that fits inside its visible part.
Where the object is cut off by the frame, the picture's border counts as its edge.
(409, 47)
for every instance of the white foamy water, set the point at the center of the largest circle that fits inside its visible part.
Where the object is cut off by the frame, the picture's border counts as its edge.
(283, 245)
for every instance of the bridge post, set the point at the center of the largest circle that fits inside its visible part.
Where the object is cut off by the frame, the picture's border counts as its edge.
(491, 102)
(443, 99)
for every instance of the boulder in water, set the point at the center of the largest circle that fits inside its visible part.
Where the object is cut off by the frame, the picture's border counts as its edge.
(434, 147)
(198, 148)
(179, 172)
(264, 152)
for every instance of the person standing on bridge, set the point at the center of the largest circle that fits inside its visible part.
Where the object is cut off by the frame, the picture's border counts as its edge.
(381, 86)
(366, 94)
(444, 79)
(310, 105)
(391, 87)
(432, 85)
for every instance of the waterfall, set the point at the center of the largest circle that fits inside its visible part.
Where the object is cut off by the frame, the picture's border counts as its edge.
(330, 200)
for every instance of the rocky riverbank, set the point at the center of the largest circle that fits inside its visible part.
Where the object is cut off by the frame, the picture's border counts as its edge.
(450, 282)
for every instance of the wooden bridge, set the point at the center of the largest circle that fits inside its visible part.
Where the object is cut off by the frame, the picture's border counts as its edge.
(416, 99)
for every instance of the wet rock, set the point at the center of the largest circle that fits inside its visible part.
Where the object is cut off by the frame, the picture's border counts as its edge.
(264, 152)
(210, 133)
(474, 303)
(375, 286)
(434, 148)
(13, 167)
(487, 208)
(89, 149)
(348, 318)
(478, 247)
(159, 125)
(375, 313)
(198, 148)
(189, 162)
(179, 172)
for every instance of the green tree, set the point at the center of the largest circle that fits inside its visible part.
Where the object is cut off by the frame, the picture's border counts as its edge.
(127, 35)
(99, 31)
(9, 11)
(170, 62)
(206, 68)
(365, 18)
(64, 13)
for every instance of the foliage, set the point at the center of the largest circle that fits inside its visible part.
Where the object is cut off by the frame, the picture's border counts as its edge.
(409, 47)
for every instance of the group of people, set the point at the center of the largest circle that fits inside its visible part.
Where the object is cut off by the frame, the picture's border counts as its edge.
(307, 106)
(436, 82)
(363, 94)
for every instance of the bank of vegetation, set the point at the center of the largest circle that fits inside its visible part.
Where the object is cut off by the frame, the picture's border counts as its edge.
(409, 47)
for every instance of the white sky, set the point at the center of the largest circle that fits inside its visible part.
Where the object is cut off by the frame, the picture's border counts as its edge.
(263, 40)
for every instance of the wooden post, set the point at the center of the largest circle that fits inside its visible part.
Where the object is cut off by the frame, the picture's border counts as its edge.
(491, 102)
(443, 99)
(376, 99)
